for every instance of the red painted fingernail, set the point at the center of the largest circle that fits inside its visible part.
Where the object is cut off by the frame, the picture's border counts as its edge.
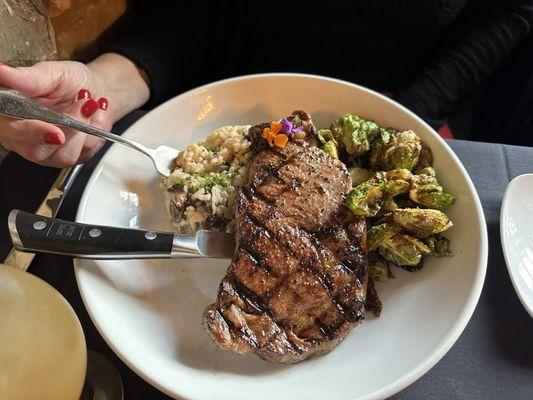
(89, 108)
(84, 94)
(52, 138)
(104, 103)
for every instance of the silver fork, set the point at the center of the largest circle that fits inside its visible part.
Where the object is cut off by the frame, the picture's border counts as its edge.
(15, 105)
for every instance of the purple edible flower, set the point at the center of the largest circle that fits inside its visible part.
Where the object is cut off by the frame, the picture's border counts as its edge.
(287, 129)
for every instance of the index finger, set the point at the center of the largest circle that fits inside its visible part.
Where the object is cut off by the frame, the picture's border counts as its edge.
(27, 80)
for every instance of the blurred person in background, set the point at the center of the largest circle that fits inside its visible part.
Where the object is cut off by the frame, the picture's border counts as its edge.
(443, 59)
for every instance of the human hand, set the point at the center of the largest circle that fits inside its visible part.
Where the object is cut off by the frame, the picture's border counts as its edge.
(63, 86)
(76, 90)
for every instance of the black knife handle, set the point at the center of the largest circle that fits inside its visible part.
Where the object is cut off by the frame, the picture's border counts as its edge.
(38, 234)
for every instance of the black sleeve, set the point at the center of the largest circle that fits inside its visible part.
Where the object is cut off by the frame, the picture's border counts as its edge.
(458, 66)
(168, 39)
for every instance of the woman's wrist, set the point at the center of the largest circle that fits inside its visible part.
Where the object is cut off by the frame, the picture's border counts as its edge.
(123, 83)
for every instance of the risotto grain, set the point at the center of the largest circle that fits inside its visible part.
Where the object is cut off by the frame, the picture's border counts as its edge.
(200, 192)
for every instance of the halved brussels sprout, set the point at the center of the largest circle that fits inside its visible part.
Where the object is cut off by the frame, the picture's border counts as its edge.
(365, 199)
(378, 268)
(421, 222)
(396, 187)
(354, 134)
(426, 191)
(405, 202)
(425, 159)
(429, 171)
(330, 148)
(325, 135)
(433, 197)
(439, 246)
(395, 150)
(398, 181)
(389, 204)
(400, 173)
(402, 249)
(378, 146)
(413, 268)
(359, 175)
(376, 235)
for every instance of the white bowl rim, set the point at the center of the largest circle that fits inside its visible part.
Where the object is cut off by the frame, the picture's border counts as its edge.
(512, 274)
(447, 342)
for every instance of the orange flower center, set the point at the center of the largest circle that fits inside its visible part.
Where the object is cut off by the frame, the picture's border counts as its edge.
(272, 135)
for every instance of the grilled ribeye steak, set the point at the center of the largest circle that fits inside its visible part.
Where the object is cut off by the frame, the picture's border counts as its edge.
(297, 281)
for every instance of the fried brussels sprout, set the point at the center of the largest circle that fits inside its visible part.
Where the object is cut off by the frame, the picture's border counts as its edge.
(389, 205)
(330, 148)
(424, 160)
(405, 202)
(393, 150)
(327, 143)
(368, 196)
(429, 171)
(426, 191)
(439, 246)
(396, 187)
(378, 268)
(359, 175)
(421, 222)
(325, 135)
(397, 182)
(376, 235)
(365, 199)
(433, 197)
(399, 174)
(354, 134)
(394, 246)
(402, 250)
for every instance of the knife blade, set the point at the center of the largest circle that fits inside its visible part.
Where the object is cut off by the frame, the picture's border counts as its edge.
(39, 234)
(48, 208)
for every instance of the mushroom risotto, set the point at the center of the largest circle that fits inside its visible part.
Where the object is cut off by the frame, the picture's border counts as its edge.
(200, 192)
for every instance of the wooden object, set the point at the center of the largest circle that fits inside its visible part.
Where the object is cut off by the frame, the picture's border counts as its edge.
(26, 35)
(82, 23)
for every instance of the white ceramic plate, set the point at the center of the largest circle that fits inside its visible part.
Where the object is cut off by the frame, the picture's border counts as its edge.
(516, 232)
(149, 312)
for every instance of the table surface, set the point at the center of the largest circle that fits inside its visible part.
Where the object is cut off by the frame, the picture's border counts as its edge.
(493, 358)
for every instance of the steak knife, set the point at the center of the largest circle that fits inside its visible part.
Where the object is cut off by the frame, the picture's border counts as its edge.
(39, 234)
(48, 208)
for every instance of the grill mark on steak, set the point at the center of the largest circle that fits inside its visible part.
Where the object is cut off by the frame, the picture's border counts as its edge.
(243, 334)
(306, 265)
(297, 282)
(256, 259)
(252, 298)
(274, 291)
(271, 171)
(257, 303)
(321, 247)
(309, 266)
(244, 330)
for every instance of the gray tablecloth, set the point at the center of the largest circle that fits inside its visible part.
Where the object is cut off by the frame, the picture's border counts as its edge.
(493, 358)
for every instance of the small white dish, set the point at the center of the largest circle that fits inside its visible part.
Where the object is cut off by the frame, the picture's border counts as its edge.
(516, 233)
(149, 311)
